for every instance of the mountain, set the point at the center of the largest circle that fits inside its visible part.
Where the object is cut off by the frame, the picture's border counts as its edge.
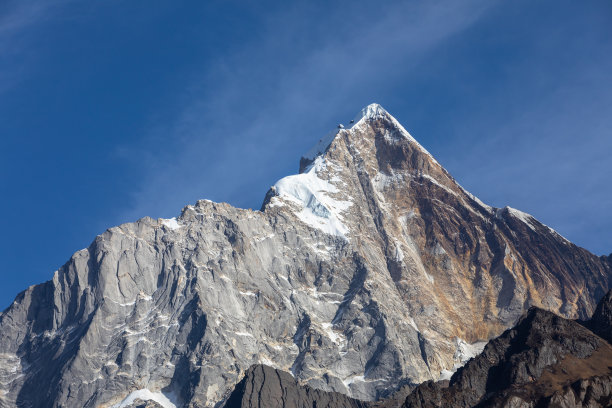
(543, 361)
(371, 270)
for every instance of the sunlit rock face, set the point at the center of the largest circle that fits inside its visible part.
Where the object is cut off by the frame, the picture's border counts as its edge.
(369, 270)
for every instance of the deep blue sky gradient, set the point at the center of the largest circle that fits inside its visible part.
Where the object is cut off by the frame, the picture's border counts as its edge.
(110, 111)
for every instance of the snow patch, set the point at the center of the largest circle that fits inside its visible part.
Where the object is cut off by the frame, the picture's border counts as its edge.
(529, 219)
(399, 254)
(383, 180)
(372, 111)
(171, 223)
(437, 183)
(464, 352)
(524, 217)
(312, 195)
(412, 323)
(145, 394)
(350, 380)
(333, 336)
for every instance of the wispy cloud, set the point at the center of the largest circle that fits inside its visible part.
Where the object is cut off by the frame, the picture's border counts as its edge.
(19, 21)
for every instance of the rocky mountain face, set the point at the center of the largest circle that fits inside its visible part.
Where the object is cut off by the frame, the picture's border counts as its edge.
(543, 361)
(370, 270)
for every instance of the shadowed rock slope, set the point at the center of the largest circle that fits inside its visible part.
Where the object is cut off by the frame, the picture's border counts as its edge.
(369, 270)
(265, 387)
(601, 322)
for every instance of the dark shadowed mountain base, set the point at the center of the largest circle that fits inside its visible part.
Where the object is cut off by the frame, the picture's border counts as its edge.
(263, 386)
(544, 361)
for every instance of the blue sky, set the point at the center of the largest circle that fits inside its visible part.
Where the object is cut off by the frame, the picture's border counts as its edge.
(113, 110)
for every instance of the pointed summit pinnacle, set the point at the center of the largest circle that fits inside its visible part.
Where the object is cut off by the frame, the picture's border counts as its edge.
(372, 111)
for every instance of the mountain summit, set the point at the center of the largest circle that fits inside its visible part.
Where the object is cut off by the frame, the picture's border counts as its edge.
(370, 269)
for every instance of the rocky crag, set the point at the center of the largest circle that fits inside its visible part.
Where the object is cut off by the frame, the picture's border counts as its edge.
(265, 387)
(370, 270)
(544, 361)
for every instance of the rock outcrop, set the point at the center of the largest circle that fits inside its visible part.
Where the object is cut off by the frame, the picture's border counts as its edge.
(601, 322)
(266, 387)
(544, 361)
(370, 270)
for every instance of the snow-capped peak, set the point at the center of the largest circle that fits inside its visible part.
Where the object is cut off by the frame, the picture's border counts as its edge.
(372, 111)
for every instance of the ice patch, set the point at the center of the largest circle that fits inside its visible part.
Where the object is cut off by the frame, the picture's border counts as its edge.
(145, 394)
(171, 223)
